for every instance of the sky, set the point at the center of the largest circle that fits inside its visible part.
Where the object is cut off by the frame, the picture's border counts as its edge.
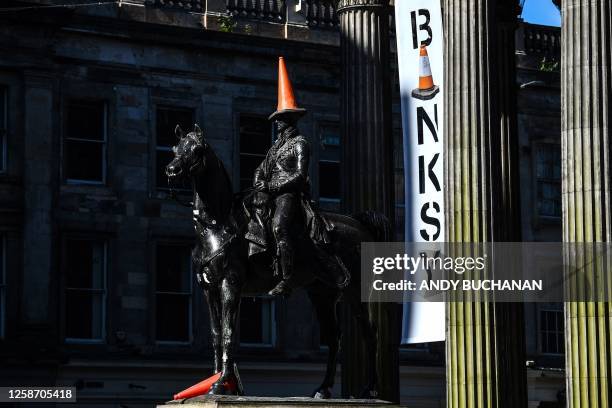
(541, 12)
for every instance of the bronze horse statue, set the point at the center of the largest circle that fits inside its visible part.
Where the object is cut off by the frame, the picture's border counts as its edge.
(225, 272)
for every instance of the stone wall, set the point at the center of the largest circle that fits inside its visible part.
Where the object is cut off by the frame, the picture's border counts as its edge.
(134, 64)
(539, 124)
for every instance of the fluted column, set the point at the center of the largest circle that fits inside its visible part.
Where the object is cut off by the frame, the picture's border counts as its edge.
(368, 172)
(485, 363)
(586, 85)
(366, 106)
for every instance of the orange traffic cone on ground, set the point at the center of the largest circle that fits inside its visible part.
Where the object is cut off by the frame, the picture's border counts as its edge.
(201, 388)
(427, 89)
(286, 98)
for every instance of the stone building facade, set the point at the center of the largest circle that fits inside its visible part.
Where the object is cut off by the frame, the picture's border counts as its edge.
(539, 127)
(95, 285)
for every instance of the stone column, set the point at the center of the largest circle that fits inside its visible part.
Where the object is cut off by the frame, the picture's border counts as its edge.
(485, 362)
(366, 106)
(586, 88)
(38, 319)
(368, 171)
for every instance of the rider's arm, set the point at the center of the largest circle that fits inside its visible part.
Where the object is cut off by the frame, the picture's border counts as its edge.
(259, 174)
(295, 181)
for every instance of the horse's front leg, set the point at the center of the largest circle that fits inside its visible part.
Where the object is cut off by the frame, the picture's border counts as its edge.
(230, 302)
(213, 296)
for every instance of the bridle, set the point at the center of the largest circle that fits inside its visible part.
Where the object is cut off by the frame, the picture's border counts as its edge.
(175, 197)
(173, 193)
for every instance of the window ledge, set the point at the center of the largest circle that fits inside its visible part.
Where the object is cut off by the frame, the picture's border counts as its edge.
(72, 341)
(545, 221)
(96, 189)
(6, 178)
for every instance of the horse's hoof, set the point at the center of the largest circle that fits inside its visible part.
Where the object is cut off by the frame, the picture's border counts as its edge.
(219, 389)
(322, 393)
(369, 393)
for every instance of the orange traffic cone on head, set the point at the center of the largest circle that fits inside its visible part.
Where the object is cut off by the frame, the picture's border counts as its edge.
(287, 106)
(427, 89)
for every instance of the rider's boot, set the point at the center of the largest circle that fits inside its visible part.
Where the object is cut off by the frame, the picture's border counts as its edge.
(285, 254)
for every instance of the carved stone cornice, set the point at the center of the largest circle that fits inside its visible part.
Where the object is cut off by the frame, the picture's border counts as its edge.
(344, 5)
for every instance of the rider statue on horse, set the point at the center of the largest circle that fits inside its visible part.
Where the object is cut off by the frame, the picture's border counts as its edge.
(282, 191)
(238, 236)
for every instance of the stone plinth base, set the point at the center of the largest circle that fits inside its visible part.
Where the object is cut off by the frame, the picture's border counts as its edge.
(228, 401)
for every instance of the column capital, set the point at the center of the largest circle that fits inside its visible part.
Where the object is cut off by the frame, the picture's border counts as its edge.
(344, 5)
(508, 11)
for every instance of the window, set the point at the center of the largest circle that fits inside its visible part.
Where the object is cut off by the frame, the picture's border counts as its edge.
(173, 286)
(3, 127)
(2, 287)
(330, 192)
(85, 142)
(255, 139)
(258, 321)
(551, 331)
(167, 118)
(85, 289)
(548, 176)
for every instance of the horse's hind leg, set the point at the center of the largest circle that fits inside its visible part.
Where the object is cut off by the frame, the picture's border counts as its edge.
(360, 312)
(325, 306)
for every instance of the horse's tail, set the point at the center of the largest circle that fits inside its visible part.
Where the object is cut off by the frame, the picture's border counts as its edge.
(378, 225)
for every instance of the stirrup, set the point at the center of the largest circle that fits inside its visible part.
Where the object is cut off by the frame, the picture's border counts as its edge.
(281, 289)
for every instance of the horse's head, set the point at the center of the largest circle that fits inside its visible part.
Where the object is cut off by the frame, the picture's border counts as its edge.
(189, 155)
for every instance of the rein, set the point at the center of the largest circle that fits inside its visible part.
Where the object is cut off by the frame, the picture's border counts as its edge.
(175, 197)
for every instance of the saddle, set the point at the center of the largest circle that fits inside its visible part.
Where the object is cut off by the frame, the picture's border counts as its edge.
(317, 228)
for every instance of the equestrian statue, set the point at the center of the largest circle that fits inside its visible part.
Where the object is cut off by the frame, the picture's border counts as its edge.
(271, 239)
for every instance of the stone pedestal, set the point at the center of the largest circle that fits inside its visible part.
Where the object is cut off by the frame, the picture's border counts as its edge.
(226, 401)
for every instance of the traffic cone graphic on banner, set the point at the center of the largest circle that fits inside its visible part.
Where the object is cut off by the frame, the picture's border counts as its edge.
(427, 89)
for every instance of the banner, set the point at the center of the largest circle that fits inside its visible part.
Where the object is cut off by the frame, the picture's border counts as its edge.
(420, 54)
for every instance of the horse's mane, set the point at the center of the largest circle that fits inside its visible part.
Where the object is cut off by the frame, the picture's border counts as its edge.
(218, 185)
(220, 197)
